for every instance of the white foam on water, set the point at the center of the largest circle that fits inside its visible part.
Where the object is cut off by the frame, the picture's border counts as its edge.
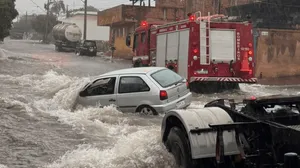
(3, 166)
(138, 149)
(13, 103)
(123, 140)
(119, 140)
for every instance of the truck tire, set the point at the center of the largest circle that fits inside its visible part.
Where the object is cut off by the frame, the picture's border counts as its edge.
(94, 54)
(177, 144)
(78, 53)
(58, 48)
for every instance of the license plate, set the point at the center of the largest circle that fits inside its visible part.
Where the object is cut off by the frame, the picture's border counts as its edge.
(180, 104)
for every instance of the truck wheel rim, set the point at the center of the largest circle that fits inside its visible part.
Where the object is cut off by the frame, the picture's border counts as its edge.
(146, 111)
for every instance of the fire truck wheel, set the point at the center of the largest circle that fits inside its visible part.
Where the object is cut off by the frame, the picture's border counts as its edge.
(146, 110)
(177, 144)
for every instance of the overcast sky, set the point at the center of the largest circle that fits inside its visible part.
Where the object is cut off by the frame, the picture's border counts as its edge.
(34, 6)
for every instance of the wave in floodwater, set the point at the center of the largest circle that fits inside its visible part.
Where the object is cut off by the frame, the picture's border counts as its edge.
(112, 139)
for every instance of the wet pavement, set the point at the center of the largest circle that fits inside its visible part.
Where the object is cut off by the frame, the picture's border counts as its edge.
(38, 88)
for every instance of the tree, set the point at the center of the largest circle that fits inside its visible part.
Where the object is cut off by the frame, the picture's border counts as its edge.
(39, 23)
(24, 23)
(88, 8)
(8, 13)
(57, 6)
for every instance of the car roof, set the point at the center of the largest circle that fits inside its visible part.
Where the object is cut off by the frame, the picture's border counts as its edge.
(140, 70)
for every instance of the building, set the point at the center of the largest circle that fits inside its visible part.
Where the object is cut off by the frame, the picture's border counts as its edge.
(94, 32)
(123, 19)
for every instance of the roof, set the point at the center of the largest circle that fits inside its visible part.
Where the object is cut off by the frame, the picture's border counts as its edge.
(140, 70)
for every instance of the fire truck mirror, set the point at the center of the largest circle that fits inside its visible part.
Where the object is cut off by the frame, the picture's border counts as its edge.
(128, 40)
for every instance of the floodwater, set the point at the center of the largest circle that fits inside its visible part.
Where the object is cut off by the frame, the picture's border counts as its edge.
(38, 88)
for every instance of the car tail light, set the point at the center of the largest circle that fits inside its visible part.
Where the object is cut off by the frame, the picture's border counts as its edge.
(163, 95)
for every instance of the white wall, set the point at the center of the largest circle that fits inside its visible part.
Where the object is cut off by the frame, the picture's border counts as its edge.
(94, 32)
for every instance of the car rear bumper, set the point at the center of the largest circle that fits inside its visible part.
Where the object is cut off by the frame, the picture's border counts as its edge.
(187, 99)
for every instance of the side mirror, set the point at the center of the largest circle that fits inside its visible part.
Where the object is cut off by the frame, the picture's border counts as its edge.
(128, 40)
(82, 93)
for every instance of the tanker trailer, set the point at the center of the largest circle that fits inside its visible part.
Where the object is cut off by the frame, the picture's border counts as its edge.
(66, 35)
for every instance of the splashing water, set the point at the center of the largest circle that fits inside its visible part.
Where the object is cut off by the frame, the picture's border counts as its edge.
(111, 138)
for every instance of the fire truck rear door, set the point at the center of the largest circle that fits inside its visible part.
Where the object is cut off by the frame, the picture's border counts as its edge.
(183, 53)
(161, 50)
(223, 45)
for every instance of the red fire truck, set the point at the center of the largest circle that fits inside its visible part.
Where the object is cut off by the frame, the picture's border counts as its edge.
(211, 52)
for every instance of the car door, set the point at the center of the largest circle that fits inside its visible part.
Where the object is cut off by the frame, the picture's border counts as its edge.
(132, 90)
(100, 93)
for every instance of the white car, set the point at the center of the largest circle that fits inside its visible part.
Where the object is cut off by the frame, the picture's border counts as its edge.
(149, 90)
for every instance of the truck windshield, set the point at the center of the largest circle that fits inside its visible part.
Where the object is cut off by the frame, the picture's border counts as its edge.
(166, 78)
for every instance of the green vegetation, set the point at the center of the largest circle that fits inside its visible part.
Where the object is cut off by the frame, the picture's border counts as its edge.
(8, 13)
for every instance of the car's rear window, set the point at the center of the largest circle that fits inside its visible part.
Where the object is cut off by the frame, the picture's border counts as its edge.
(166, 77)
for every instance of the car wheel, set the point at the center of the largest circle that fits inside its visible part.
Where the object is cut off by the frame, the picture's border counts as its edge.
(177, 144)
(146, 110)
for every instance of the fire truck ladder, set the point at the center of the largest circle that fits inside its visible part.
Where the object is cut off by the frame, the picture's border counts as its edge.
(205, 40)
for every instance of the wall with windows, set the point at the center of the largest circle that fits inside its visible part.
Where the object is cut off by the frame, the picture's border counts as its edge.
(119, 34)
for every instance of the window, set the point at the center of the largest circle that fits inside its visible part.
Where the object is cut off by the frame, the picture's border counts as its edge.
(102, 86)
(132, 84)
(136, 41)
(166, 78)
(143, 37)
(165, 14)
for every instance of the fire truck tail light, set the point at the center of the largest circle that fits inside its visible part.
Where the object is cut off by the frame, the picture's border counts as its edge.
(250, 45)
(250, 59)
(250, 52)
(195, 51)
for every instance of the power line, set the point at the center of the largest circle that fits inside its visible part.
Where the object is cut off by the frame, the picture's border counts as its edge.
(38, 5)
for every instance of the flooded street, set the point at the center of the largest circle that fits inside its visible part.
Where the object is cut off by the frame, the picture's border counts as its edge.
(38, 88)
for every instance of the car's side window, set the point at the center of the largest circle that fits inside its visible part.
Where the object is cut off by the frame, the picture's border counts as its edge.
(104, 86)
(132, 84)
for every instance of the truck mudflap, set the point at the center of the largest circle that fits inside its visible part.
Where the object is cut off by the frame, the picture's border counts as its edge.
(223, 79)
(203, 143)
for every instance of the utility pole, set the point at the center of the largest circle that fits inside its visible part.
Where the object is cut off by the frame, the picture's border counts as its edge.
(219, 7)
(85, 21)
(67, 11)
(47, 20)
(26, 16)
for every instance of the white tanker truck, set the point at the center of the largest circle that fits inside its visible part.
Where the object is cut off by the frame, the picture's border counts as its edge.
(66, 35)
